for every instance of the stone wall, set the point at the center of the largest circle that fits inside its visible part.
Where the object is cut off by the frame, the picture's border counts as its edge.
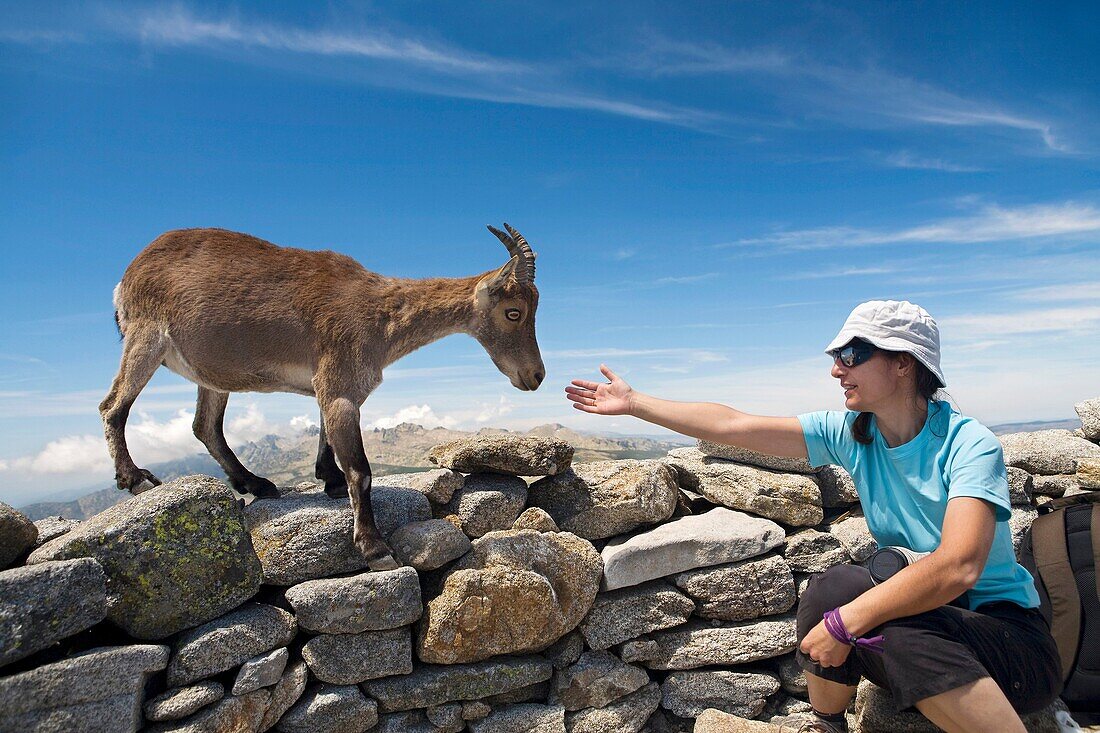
(535, 595)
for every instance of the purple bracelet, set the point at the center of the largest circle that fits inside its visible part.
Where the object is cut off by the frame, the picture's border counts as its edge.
(834, 624)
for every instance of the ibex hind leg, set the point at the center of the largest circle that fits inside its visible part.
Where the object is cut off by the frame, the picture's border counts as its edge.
(209, 419)
(142, 352)
(336, 484)
(341, 416)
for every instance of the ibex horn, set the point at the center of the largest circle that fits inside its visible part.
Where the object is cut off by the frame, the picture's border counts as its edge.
(528, 254)
(513, 248)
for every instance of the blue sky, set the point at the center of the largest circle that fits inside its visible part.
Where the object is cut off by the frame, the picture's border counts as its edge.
(711, 187)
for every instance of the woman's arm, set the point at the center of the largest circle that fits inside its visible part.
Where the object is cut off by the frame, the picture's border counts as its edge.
(929, 583)
(777, 436)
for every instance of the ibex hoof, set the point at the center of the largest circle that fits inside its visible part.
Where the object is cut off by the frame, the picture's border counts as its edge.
(144, 486)
(261, 488)
(385, 562)
(136, 483)
(337, 490)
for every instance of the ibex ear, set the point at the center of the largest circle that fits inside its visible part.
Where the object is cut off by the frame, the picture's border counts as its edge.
(495, 282)
(508, 272)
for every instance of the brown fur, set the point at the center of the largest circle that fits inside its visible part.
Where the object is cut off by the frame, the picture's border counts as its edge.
(234, 313)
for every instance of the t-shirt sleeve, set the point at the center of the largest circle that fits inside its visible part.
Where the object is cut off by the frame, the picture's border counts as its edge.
(826, 434)
(977, 468)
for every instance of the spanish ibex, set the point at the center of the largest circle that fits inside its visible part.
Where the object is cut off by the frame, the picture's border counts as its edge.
(234, 313)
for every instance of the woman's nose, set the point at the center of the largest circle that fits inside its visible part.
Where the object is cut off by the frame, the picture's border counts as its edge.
(838, 370)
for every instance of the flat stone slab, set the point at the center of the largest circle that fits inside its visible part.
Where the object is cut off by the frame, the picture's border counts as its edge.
(793, 499)
(431, 684)
(759, 586)
(348, 659)
(17, 534)
(100, 690)
(438, 485)
(719, 536)
(626, 715)
(855, 536)
(605, 498)
(752, 458)
(180, 702)
(1047, 452)
(330, 709)
(716, 721)
(306, 534)
(175, 556)
(1088, 473)
(626, 613)
(838, 489)
(51, 528)
(522, 718)
(44, 603)
(510, 454)
(371, 601)
(229, 641)
(702, 643)
(233, 713)
(688, 694)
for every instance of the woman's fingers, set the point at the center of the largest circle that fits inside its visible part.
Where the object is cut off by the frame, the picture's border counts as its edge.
(607, 372)
(585, 384)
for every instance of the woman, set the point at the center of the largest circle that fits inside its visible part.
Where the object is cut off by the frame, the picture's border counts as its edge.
(929, 479)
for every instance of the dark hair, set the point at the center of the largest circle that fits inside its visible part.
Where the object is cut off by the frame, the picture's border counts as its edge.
(927, 386)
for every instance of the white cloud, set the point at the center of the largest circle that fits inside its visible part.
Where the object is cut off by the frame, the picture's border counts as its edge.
(680, 280)
(419, 414)
(981, 326)
(906, 159)
(990, 224)
(491, 412)
(1068, 291)
(303, 422)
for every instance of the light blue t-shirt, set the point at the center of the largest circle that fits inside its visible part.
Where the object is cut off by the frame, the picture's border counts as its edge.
(905, 490)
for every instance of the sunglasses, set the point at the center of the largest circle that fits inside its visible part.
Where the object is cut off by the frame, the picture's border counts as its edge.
(854, 353)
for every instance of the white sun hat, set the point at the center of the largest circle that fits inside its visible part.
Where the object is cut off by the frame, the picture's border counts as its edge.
(894, 325)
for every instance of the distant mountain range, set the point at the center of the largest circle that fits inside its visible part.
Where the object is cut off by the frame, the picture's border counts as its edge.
(288, 460)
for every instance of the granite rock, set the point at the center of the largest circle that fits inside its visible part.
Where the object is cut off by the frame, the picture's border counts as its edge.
(855, 536)
(752, 458)
(522, 718)
(429, 544)
(595, 680)
(229, 641)
(51, 528)
(793, 499)
(175, 556)
(438, 484)
(371, 601)
(180, 702)
(606, 498)
(285, 693)
(716, 721)
(837, 487)
(688, 694)
(810, 551)
(348, 659)
(516, 591)
(233, 714)
(536, 519)
(1046, 452)
(99, 690)
(508, 454)
(626, 715)
(1020, 486)
(264, 670)
(330, 709)
(430, 684)
(488, 502)
(410, 721)
(759, 586)
(44, 603)
(1089, 412)
(1020, 523)
(719, 536)
(17, 534)
(702, 643)
(1088, 473)
(624, 614)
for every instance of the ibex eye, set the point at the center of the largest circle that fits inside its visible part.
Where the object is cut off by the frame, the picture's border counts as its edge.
(512, 314)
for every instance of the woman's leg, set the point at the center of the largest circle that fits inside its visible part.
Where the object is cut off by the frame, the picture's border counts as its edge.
(831, 688)
(976, 707)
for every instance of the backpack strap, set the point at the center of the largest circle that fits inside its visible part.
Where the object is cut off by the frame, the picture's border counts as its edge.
(1096, 546)
(1048, 534)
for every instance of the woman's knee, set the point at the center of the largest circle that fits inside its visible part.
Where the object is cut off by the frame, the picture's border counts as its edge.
(833, 588)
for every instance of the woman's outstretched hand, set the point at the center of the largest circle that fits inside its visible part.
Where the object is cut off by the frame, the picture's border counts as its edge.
(601, 398)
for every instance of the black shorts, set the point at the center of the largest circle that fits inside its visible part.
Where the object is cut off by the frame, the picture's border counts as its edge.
(939, 650)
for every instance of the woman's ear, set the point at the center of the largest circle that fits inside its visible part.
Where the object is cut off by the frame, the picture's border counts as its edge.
(906, 365)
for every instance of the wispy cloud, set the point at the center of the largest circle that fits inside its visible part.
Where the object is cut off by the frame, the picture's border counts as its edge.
(1069, 291)
(839, 272)
(906, 159)
(990, 224)
(981, 326)
(680, 280)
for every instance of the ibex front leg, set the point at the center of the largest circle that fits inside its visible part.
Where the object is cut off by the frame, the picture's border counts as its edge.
(341, 416)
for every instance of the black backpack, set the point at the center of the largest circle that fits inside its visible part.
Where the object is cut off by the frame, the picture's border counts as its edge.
(1062, 552)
